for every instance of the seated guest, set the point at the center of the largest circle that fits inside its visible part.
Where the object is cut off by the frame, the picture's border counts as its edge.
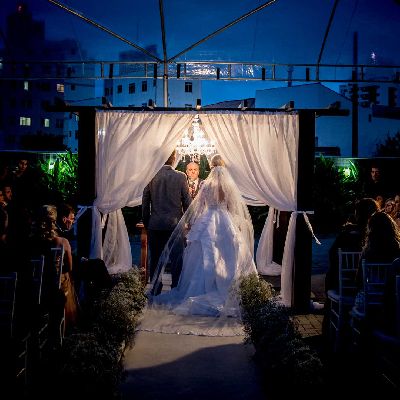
(382, 245)
(45, 238)
(351, 238)
(397, 209)
(390, 207)
(65, 220)
(389, 301)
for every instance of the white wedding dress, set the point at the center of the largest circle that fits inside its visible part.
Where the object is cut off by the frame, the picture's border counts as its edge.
(218, 252)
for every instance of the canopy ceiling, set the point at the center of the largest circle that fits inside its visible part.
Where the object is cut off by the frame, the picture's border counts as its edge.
(287, 31)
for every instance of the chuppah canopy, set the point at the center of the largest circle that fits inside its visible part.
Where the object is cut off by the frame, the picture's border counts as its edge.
(260, 150)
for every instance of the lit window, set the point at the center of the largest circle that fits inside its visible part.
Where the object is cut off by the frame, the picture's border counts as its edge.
(144, 86)
(25, 121)
(132, 88)
(188, 87)
(46, 122)
(26, 85)
(60, 87)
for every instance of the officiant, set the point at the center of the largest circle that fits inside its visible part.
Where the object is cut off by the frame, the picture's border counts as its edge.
(194, 182)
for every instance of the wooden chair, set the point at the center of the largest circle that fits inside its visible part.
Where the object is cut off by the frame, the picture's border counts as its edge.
(365, 314)
(41, 317)
(398, 305)
(8, 287)
(342, 300)
(57, 259)
(14, 349)
(37, 265)
(386, 346)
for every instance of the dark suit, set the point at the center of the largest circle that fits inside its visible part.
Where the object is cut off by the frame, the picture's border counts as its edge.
(164, 201)
(199, 183)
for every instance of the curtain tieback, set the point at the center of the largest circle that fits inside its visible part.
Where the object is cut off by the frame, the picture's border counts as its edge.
(308, 223)
(277, 214)
(83, 209)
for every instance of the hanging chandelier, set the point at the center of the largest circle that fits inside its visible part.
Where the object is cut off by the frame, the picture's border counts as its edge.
(195, 143)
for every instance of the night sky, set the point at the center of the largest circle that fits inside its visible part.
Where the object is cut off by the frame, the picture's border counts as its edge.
(288, 31)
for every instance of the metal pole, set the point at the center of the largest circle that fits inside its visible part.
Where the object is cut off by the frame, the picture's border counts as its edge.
(103, 28)
(327, 30)
(303, 248)
(268, 3)
(164, 42)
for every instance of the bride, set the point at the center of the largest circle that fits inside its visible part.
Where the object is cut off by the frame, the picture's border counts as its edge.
(214, 242)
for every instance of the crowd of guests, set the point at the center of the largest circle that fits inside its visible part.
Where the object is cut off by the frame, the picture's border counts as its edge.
(374, 230)
(27, 231)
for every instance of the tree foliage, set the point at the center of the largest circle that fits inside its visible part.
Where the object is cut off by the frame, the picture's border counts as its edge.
(390, 147)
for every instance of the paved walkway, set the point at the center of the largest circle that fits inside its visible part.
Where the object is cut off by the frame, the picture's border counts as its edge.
(169, 366)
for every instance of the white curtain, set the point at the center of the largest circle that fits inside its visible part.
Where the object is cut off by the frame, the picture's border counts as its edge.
(260, 150)
(131, 148)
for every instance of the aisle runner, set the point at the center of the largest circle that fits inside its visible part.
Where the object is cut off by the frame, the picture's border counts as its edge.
(161, 320)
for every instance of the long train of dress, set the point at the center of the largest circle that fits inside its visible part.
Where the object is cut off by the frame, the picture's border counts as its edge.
(206, 300)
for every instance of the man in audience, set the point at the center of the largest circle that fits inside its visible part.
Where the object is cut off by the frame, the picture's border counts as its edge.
(65, 221)
(376, 187)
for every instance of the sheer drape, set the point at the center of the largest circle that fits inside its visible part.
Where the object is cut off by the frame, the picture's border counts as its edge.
(260, 150)
(132, 147)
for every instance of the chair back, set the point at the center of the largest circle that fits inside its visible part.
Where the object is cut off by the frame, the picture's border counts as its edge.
(398, 305)
(374, 280)
(8, 287)
(349, 262)
(57, 260)
(37, 265)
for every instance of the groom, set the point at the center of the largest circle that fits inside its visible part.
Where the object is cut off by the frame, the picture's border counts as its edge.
(164, 201)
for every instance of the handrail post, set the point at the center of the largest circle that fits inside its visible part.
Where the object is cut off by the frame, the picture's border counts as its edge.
(143, 252)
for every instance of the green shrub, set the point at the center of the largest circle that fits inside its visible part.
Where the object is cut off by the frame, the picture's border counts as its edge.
(92, 357)
(284, 356)
(60, 177)
(91, 366)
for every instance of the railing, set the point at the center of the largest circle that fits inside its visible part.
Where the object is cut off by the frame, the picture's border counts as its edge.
(200, 70)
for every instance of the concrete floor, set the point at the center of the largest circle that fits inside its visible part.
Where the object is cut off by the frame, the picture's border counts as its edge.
(170, 366)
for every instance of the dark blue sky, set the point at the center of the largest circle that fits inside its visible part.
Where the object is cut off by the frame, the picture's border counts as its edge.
(288, 31)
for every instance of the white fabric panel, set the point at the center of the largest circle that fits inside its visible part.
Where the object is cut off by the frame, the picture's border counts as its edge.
(260, 150)
(265, 248)
(132, 147)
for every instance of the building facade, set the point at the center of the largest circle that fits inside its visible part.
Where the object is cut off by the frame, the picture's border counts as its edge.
(30, 82)
(334, 134)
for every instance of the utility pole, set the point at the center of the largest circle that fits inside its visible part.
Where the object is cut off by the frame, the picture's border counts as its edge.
(354, 100)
